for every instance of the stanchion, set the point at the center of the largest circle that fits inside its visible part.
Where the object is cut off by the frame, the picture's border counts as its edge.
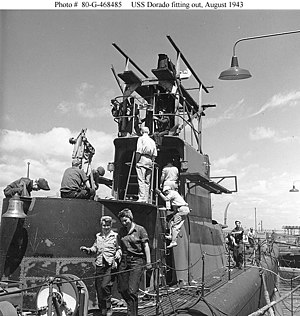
(292, 303)
(203, 266)
(229, 267)
(157, 274)
(244, 255)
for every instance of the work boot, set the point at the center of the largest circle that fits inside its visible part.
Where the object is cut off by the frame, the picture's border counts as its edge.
(109, 312)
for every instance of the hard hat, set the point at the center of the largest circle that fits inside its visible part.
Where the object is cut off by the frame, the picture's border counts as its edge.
(101, 171)
(76, 162)
(166, 188)
(43, 184)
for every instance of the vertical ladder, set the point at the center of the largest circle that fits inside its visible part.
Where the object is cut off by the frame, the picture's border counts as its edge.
(129, 175)
(154, 171)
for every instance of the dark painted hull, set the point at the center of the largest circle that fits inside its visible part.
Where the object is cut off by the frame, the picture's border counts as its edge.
(243, 295)
(54, 230)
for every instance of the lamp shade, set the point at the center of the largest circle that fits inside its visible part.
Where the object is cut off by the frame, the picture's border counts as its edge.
(235, 72)
(294, 189)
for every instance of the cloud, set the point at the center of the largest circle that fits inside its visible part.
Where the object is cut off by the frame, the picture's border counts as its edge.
(288, 99)
(235, 111)
(84, 89)
(87, 102)
(39, 145)
(49, 154)
(238, 110)
(225, 161)
(288, 139)
(261, 133)
(7, 118)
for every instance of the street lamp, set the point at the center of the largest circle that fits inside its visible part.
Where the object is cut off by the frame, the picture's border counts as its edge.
(237, 73)
(294, 189)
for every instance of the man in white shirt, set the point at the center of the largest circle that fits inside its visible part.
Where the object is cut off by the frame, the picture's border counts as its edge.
(169, 176)
(146, 153)
(108, 253)
(180, 210)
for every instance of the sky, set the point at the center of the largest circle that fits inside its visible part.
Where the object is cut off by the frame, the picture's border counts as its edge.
(56, 78)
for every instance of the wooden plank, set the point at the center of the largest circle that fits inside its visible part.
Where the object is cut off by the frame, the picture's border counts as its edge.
(163, 74)
(130, 77)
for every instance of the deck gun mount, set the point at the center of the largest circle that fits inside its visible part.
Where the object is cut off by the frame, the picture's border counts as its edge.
(82, 147)
(84, 151)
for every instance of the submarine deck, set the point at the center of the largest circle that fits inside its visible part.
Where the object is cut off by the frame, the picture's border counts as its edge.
(179, 298)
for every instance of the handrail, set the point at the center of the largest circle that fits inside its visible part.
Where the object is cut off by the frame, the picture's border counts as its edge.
(187, 63)
(168, 114)
(130, 60)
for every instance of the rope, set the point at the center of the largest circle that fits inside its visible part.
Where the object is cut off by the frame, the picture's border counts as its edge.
(76, 280)
(266, 307)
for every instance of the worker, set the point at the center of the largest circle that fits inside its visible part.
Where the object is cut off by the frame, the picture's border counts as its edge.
(251, 237)
(134, 242)
(145, 155)
(24, 187)
(108, 254)
(162, 127)
(74, 183)
(180, 210)
(237, 233)
(98, 178)
(169, 176)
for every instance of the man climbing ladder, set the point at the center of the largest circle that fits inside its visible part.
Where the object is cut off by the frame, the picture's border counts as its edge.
(180, 210)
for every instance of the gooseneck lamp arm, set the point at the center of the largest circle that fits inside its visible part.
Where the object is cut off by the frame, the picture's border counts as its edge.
(262, 36)
(237, 73)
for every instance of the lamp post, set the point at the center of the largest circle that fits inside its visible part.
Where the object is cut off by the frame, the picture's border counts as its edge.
(237, 73)
(28, 164)
(255, 220)
(294, 189)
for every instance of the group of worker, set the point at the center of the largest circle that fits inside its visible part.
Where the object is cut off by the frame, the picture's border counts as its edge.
(127, 115)
(127, 252)
(146, 152)
(75, 183)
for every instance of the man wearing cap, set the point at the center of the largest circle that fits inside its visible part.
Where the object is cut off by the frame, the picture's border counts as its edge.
(108, 253)
(24, 186)
(180, 210)
(146, 153)
(74, 183)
